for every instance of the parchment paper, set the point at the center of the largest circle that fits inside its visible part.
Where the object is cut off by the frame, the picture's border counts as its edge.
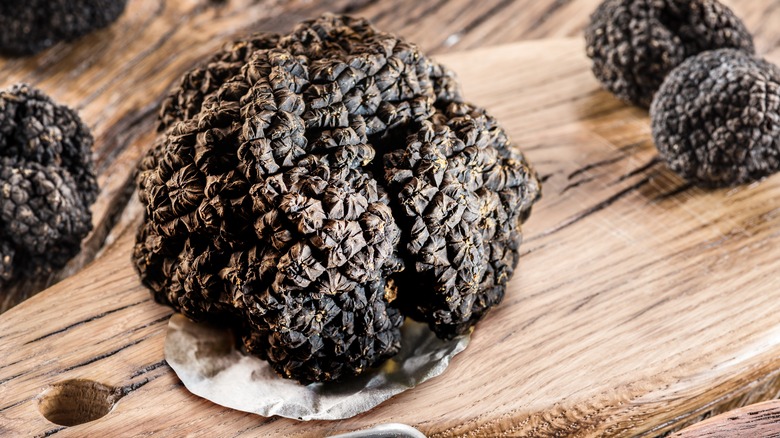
(207, 362)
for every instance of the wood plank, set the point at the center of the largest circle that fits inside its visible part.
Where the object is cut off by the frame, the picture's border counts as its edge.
(640, 304)
(446, 25)
(117, 77)
(760, 420)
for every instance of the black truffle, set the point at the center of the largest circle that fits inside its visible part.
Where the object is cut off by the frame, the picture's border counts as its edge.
(27, 27)
(634, 44)
(47, 183)
(716, 118)
(267, 206)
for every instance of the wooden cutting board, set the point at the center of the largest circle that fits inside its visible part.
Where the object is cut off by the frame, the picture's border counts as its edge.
(640, 305)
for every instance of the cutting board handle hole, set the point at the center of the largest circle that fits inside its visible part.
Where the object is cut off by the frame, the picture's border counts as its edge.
(77, 401)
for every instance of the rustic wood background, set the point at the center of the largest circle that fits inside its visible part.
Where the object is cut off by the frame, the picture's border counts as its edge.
(618, 361)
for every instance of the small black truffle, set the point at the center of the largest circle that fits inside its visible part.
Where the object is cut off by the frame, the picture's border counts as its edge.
(716, 118)
(267, 203)
(634, 44)
(30, 26)
(47, 183)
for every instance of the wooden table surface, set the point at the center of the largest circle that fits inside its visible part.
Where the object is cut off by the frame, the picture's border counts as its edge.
(117, 77)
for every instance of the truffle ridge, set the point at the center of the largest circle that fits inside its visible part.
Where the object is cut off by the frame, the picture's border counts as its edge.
(47, 183)
(311, 189)
(634, 44)
(716, 118)
(30, 26)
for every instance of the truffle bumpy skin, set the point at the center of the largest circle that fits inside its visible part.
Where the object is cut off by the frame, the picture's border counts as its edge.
(716, 119)
(634, 44)
(267, 205)
(463, 190)
(47, 183)
(27, 27)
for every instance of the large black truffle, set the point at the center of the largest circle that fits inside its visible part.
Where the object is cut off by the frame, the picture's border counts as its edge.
(634, 44)
(716, 118)
(47, 183)
(267, 205)
(29, 26)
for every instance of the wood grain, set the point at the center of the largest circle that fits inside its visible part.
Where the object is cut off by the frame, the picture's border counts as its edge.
(441, 25)
(640, 305)
(116, 78)
(758, 420)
